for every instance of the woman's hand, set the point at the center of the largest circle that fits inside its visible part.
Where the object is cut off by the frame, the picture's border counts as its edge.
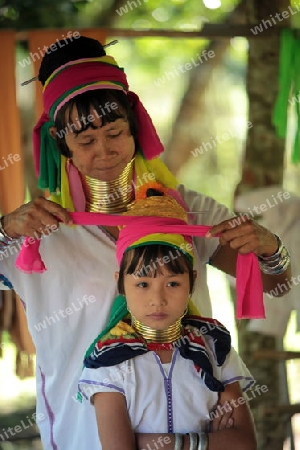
(35, 218)
(245, 235)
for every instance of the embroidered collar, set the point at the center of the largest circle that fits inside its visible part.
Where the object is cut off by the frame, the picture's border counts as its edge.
(122, 343)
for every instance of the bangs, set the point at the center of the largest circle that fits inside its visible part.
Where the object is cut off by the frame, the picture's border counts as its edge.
(97, 103)
(107, 104)
(148, 260)
(152, 260)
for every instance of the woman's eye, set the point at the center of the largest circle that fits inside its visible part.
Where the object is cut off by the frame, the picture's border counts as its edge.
(114, 135)
(87, 143)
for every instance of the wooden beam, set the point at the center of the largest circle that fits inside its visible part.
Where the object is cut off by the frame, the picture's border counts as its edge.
(277, 355)
(280, 409)
(209, 30)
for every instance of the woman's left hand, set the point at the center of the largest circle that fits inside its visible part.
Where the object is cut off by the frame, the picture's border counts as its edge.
(245, 235)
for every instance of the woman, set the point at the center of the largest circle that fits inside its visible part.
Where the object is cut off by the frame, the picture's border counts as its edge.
(91, 161)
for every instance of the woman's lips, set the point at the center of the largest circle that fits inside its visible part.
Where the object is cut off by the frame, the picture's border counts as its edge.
(104, 169)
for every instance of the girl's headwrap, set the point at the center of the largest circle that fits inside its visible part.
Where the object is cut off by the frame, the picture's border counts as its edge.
(155, 210)
(65, 83)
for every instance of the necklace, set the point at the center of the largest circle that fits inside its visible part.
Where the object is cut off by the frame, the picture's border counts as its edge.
(110, 196)
(158, 339)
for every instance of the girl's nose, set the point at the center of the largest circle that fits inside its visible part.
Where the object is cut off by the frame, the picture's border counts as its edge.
(158, 299)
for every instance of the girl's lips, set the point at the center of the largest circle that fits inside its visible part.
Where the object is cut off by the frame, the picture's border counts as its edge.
(158, 315)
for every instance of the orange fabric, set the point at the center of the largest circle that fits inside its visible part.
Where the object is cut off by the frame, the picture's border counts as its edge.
(12, 184)
(36, 42)
(12, 188)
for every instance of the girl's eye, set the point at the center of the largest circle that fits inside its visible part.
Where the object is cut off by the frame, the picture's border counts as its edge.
(173, 284)
(143, 284)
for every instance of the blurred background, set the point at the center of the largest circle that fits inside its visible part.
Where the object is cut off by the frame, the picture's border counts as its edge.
(193, 110)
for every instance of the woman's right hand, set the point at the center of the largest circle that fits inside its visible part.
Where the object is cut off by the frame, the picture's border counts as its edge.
(35, 218)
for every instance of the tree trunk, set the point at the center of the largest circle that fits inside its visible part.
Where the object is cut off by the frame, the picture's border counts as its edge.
(263, 166)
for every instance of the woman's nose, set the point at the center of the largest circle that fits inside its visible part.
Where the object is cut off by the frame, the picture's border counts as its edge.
(102, 149)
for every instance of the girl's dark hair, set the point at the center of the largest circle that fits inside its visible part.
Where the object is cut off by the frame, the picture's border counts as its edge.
(131, 263)
(97, 100)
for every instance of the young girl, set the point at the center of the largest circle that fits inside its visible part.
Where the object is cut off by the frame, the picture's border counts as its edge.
(154, 376)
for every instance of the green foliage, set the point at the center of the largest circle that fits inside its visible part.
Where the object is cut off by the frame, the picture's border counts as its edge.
(178, 14)
(157, 14)
(171, 14)
(25, 14)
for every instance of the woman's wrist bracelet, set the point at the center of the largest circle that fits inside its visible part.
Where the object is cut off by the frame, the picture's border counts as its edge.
(277, 263)
(3, 234)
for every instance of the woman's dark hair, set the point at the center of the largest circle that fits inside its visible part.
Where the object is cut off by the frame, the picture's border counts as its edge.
(82, 47)
(97, 100)
(178, 262)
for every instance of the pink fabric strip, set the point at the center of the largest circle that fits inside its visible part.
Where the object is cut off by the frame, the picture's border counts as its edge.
(75, 187)
(248, 277)
(147, 136)
(144, 226)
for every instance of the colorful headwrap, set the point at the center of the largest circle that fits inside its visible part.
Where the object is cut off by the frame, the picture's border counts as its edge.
(65, 83)
(155, 211)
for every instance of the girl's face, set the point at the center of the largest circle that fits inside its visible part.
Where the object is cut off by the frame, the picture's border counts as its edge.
(157, 301)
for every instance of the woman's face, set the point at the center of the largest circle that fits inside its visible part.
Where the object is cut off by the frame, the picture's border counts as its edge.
(100, 153)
